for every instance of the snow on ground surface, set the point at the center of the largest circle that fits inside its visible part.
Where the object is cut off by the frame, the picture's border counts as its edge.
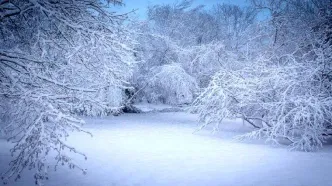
(148, 107)
(153, 149)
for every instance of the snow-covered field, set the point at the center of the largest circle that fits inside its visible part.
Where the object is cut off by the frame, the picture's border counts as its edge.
(152, 149)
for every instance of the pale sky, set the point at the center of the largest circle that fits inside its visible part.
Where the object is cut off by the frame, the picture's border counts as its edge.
(142, 5)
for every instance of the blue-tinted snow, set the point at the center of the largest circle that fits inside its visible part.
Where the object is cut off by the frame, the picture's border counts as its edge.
(153, 149)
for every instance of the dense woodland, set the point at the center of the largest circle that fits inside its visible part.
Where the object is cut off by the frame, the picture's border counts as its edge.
(63, 59)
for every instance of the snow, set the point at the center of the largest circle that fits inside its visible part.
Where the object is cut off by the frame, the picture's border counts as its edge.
(154, 107)
(152, 149)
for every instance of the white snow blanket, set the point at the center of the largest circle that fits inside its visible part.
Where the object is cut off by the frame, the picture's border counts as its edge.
(160, 149)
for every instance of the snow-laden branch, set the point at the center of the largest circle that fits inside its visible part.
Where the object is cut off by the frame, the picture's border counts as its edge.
(58, 60)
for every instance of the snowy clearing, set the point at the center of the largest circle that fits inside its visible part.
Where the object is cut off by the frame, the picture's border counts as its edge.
(159, 149)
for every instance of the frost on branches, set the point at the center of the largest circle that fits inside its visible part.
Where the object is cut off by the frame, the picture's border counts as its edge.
(170, 84)
(160, 77)
(58, 59)
(280, 102)
(286, 93)
(192, 41)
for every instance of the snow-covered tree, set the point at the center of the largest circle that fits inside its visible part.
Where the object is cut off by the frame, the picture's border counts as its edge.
(286, 93)
(58, 59)
(232, 22)
(170, 84)
(182, 22)
(198, 40)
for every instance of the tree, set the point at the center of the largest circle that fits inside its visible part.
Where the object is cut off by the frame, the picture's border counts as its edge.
(170, 84)
(232, 23)
(286, 92)
(197, 39)
(183, 23)
(58, 59)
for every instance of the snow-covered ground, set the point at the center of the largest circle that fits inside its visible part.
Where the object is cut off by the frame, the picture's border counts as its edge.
(152, 149)
(148, 107)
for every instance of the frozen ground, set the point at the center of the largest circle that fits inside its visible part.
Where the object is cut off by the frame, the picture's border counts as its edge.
(148, 107)
(155, 149)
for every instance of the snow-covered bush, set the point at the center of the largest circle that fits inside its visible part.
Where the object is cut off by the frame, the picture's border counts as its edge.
(287, 100)
(170, 84)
